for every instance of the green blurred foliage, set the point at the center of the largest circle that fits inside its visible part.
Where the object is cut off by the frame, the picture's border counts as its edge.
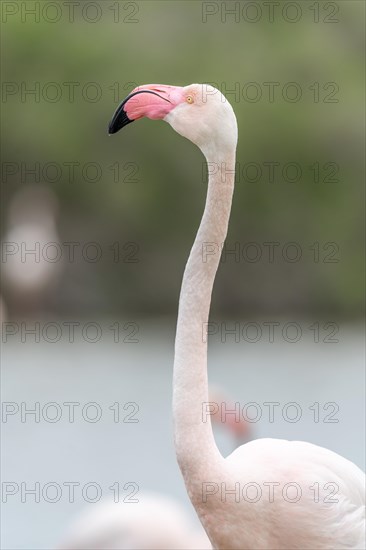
(169, 43)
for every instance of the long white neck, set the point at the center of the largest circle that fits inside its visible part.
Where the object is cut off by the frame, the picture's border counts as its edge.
(195, 445)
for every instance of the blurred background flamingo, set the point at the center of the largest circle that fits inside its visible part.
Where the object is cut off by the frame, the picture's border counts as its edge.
(156, 521)
(32, 253)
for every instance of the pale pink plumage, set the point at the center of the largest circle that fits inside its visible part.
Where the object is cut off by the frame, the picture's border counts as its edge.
(203, 115)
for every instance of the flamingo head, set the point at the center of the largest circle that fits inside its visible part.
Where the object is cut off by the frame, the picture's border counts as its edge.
(198, 112)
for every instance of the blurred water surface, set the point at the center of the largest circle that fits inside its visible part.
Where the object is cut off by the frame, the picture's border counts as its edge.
(107, 452)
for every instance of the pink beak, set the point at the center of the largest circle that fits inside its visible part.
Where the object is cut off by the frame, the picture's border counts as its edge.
(153, 101)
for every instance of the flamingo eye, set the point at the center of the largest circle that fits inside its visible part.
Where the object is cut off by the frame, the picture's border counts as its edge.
(189, 99)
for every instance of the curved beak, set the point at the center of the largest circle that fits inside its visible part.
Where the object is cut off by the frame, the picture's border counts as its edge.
(153, 101)
(120, 118)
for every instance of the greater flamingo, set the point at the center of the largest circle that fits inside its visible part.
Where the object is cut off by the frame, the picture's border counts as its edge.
(269, 493)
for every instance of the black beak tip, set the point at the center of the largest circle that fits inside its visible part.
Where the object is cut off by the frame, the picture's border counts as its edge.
(112, 128)
(119, 120)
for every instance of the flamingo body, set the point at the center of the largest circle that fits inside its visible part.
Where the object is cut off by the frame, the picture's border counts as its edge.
(307, 496)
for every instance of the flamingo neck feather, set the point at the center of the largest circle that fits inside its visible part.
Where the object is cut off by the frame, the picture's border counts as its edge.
(196, 449)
